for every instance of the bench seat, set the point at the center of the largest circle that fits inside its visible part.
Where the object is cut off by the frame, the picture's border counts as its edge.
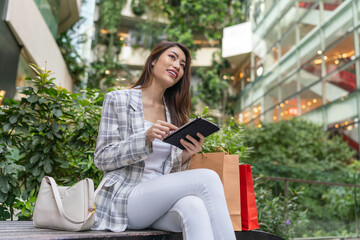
(26, 230)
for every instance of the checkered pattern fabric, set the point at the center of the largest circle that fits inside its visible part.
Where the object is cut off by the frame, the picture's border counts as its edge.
(120, 153)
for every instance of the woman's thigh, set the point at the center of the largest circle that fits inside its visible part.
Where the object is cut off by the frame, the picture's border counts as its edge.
(150, 200)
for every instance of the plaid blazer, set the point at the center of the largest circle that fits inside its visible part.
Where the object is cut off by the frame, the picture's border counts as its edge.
(120, 153)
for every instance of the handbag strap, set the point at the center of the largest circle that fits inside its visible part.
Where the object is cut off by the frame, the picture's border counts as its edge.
(92, 197)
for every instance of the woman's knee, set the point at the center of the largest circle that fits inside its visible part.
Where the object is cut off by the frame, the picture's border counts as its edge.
(191, 206)
(208, 176)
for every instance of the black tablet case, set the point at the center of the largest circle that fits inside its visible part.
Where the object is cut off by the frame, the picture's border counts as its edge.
(200, 125)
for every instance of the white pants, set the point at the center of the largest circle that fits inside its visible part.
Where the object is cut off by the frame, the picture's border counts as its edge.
(191, 202)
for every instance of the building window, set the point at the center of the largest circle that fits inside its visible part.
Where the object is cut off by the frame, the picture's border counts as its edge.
(289, 87)
(340, 83)
(288, 41)
(50, 11)
(339, 54)
(271, 98)
(272, 115)
(23, 72)
(311, 98)
(309, 18)
(310, 72)
(289, 109)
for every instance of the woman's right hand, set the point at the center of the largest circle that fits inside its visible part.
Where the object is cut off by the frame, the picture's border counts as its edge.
(160, 129)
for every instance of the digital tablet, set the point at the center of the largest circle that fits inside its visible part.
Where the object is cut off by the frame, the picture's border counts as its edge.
(199, 125)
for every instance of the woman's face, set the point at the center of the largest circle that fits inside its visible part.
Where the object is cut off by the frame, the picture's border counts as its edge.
(169, 68)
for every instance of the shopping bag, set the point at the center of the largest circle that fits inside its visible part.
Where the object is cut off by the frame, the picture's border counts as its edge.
(226, 167)
(249, 218)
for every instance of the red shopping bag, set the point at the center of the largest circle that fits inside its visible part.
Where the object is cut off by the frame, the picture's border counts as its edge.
(249, 218)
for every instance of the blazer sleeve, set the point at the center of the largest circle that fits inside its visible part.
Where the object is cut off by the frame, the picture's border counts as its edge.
(115, 146)
(178, 166)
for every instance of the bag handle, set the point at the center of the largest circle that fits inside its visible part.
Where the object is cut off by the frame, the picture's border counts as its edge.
(59, 204)
(222, 149)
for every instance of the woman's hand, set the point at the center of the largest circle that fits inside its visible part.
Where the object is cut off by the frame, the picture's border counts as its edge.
(192, 148)
(160, 129)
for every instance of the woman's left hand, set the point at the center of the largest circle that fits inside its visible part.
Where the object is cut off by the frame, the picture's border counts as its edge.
(193, 147)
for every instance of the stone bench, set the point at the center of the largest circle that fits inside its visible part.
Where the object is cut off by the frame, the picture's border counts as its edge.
(26, 230)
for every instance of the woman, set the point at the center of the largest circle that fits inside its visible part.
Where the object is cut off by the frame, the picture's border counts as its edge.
(146, 185)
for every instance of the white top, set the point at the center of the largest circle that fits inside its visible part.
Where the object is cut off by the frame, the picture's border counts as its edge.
(154, 163)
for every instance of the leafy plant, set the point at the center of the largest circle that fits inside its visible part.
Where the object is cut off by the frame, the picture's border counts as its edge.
(276, 214)
(302, 150)
(49, 132)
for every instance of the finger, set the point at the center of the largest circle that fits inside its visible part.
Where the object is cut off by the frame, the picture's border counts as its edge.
(188, 146)
(202, 138)
(167, 124)
(193, 140)
(160, 133)
(158, 127)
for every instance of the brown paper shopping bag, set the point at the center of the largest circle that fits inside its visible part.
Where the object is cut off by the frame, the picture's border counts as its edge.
(227, 166)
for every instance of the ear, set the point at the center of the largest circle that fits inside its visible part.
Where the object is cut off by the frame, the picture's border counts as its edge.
(153, 62)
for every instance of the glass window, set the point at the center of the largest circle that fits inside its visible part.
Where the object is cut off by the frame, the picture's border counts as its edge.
(257, 110)
(288, 88)
(289, 109)
(271, 98)
(271, 57)
(340, 83)
(288, 65)
(271, 115)
(314, 116)
(257, 122)
(310, 17)
(343, 52)
(343, 109)
(23, 72)
(347, 128)
(309, 7)
(272, 36)
(309, 48)
(288, 41)
(339, 26)
(311, 98)
(310, 72)
(244, 116)
(50, 12)
(288, 20)
(331, 5)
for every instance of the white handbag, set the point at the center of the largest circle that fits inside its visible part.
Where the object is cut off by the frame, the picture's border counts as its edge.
(66, 208)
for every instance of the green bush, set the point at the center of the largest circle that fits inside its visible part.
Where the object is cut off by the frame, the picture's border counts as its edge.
(303, 150)
(270, 207)
(49, 132)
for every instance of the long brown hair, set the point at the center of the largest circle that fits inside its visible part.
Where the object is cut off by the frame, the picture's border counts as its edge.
(177, 97)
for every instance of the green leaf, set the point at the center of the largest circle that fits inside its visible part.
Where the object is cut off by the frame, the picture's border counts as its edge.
(47, 149)
(34, 158)
(55, 127)
(4, 185)
(15, 154)
(35, 140)
(57, 112)
(3, 197)
(36, 171)
(52, 92)
(47, 167)
(205, 110)
(7, 127)
(32, 98)
(13, 119)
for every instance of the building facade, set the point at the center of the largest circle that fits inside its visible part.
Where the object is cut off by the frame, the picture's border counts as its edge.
(298, 58)
(28, 31)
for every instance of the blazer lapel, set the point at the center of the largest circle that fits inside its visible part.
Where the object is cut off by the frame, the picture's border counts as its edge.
(136, 113)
